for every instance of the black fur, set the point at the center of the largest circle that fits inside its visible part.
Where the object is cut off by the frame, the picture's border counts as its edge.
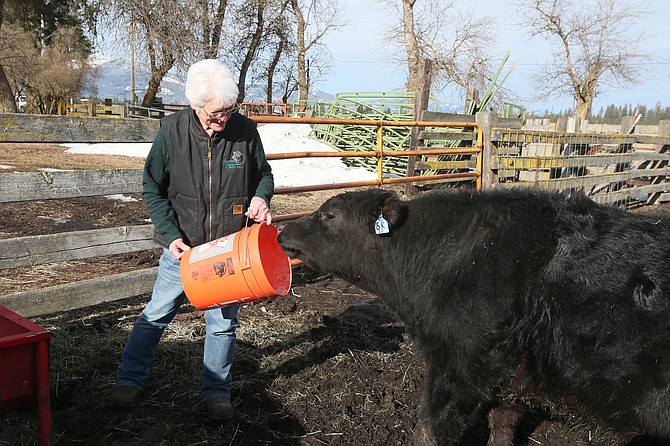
(573, 293)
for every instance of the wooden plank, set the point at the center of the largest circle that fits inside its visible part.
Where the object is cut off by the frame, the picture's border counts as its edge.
(653, 139)
(554, 162)
(643, 155)
(448, 165)
(640, 173)
(20, 127)
(579, 182)
(24, 186)
(39, 249)
(447, 136)
(421, 97)
(81, 294)
(624, 194)
(445, 117)
(509, 123)
(650, 189)
(514, 136)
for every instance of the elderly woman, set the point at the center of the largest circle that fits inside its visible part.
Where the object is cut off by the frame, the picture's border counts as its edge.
(205, 176)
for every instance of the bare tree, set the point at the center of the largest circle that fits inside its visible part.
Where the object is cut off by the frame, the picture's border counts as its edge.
(411, 39)
(313, 19)
(212, 14)
(251, 17)
(248, 45)
(280, 48)
(454, 40)
(595, 45)
(165, 32)
(173, 33)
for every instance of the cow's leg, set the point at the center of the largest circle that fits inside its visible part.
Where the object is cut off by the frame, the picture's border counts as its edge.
(502, 425)
(447, 412)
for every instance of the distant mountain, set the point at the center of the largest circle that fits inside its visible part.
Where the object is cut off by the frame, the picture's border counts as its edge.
(111, 79)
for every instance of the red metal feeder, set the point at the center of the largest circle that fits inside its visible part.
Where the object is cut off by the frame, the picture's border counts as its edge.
(24, 369)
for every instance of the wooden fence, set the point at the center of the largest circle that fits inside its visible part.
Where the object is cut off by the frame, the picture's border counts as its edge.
(615, 167)
(68, 246)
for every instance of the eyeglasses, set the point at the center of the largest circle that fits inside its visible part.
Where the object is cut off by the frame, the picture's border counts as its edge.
(222, 114)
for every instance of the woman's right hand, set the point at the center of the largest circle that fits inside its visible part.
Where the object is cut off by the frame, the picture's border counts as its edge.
(177, 248)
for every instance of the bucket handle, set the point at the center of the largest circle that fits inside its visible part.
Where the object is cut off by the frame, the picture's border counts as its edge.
(247, 255)
(245, 249)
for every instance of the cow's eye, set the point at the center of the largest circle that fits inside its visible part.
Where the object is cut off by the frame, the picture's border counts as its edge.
(327, 216)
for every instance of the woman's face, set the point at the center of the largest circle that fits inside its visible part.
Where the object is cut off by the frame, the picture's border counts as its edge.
(213, 117)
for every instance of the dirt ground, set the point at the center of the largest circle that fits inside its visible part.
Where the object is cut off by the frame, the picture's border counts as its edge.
(325, 365)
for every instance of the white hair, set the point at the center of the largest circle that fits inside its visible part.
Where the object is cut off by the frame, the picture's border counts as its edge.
(210, 80)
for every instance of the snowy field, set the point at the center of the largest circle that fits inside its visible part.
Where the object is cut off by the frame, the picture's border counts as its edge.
(277, 138)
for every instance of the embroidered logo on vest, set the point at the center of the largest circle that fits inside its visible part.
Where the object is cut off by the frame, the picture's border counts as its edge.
(238, 157)
(236, 161)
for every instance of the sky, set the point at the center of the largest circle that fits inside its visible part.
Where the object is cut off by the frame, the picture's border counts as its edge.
(360, 61)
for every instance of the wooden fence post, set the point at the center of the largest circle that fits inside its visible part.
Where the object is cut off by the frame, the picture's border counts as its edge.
(487, 121)
(421, 96)
(562, 125)
(663, 130)
(663, 127)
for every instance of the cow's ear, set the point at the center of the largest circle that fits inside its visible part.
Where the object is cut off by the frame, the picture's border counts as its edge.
(391, 209)
(383, 203)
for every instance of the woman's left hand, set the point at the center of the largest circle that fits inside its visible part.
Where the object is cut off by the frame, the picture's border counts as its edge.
(259, 210)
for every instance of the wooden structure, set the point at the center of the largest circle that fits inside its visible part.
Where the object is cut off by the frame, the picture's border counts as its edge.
(618, 168)
(615, 168)
(36, 250)
(28, 186)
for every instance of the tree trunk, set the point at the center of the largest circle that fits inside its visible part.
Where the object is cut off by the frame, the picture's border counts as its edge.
(273, 65)
(303, 80)
(583, 108)
(152, 89)
(253, 46)
(158, 72)
(212, 29)
(411, 44)
(7, 100)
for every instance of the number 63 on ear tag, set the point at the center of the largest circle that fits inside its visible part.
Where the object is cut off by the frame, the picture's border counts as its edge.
(381, 225)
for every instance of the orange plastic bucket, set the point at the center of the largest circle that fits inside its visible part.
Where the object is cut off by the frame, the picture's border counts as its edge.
(241, 267)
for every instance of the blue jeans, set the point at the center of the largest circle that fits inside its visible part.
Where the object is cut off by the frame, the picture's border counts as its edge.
(167, 297)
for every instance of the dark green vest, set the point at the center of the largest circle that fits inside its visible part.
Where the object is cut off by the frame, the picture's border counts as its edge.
(212, 179)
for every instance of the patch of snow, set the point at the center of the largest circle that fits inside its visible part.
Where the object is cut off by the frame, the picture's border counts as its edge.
(277, 138)
(291, 138)
(121, 197)
(137, 149)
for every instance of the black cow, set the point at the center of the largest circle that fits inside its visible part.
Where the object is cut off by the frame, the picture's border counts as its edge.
(543, 296)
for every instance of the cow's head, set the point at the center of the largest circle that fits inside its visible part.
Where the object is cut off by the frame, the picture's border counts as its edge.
(343, 226)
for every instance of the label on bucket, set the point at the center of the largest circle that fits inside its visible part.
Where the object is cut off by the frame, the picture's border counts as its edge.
(214, 248)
